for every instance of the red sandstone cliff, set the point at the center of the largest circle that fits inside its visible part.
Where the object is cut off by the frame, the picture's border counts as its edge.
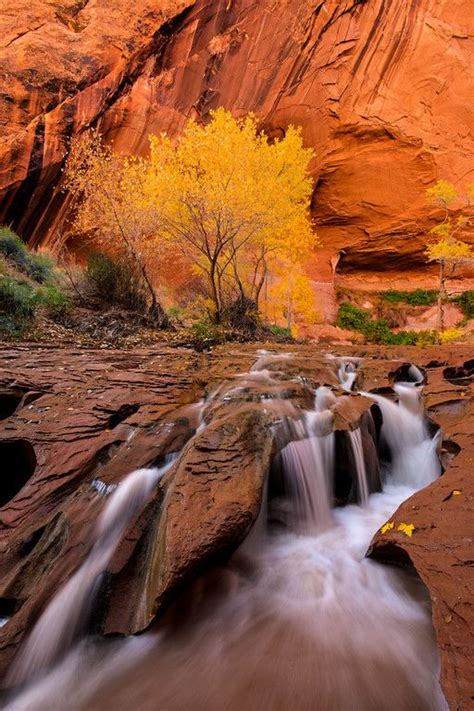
(382, 88)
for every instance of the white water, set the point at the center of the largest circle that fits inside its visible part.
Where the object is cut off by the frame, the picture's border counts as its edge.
(414, 458)
(68, 612)
(314, 626)
(362, 484)
(347, 374)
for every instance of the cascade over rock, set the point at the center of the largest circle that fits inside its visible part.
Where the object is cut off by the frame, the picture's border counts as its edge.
(378, 87)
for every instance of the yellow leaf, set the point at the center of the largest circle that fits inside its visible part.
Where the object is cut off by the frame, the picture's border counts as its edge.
(456, 492)
(387, 527)
(406, 528)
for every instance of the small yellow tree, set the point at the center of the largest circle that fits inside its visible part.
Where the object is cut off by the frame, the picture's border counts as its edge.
(446, 248)
(291, 296)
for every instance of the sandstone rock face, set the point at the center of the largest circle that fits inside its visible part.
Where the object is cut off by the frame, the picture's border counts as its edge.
(379, 88)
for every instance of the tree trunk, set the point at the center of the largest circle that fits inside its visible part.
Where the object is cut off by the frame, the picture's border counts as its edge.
(156, 312)
(441, 296)
(215, 294)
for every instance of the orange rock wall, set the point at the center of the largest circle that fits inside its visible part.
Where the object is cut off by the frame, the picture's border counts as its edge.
(382, 88)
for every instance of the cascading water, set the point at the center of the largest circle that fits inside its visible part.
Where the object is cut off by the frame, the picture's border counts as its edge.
(347, 374)
(413, 452)
(314, 625)
(308, 466)
(355, 438)
(69, 611)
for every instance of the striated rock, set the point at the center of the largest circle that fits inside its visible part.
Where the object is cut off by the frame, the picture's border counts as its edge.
(379, 88)
(209, 505)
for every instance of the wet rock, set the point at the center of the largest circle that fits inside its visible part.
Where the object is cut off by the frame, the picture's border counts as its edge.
(211, 500)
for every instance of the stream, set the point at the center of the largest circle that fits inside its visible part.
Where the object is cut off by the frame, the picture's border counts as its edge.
(298, 619)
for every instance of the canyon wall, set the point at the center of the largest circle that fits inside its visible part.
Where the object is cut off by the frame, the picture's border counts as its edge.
(380, 87)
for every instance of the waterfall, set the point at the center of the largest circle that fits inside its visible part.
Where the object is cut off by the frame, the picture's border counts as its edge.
(358, 450)
(307, 466)
(68, 612)
(347, 374)
(414, 461)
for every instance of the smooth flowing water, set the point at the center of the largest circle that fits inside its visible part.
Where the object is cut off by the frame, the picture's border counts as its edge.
(305, 623)
(69, 611)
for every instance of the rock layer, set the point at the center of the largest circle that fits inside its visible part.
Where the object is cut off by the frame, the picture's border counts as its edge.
(379, 88)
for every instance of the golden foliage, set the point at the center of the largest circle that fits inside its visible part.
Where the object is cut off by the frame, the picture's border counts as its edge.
(387, 527)
(451, 335)
(443, 193)
(291, 296)
(228, 198)
(448, 250)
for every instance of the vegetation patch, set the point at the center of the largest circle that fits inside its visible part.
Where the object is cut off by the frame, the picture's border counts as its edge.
(418, 297)
(465, 301)
(17, 306)
(38, 267)
(378, 330)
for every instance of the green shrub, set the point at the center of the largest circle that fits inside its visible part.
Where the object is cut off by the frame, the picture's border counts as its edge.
(205, 334)
(176, 313)
(377, 331)
(17, 306)
(281, 332)
(56, 301)
(115, 281)
(466, 303)
(426, 338)
(40, 267)
(418, 297)
(37, 266)
(352, 317)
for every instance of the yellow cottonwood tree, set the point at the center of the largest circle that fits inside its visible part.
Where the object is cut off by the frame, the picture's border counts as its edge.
(223, 194)
(445, 248)
(231, 199)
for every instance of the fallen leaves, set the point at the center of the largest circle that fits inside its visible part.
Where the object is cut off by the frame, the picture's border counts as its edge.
(407, 529)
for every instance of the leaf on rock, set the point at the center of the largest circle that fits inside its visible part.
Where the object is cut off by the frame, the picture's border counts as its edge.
(387, 527)
(406, 528)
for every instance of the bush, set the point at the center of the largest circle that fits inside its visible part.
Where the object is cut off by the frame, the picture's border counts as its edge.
(450, 335)
(418, 297)
(352, 317)
(40, 268)
(466, 303)
(378, 330)
(281, 332)
(205, 334)
(115, 281)
(56, 301)
(37, 266)
(17, 306)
